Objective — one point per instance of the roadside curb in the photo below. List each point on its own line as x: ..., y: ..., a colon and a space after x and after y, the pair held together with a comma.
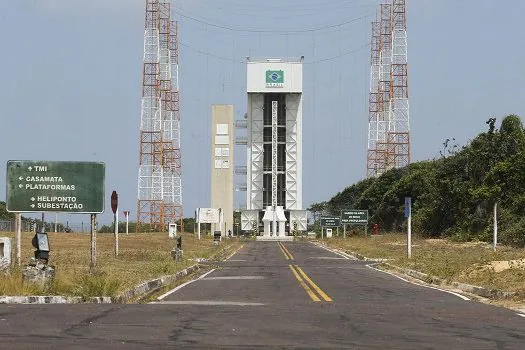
x: 353, y: 255
x: 34, y: 299
x: 152, y: 285
x: 423, y: 277
x: 464, y: 287
x: 137, y: 292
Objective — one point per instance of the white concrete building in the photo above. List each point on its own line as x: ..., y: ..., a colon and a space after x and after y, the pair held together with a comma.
x: 274, y: 148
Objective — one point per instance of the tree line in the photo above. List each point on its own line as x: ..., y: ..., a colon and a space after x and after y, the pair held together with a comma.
x: 453, y: 195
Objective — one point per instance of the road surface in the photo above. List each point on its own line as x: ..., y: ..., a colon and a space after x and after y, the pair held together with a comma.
x: 273, y: 295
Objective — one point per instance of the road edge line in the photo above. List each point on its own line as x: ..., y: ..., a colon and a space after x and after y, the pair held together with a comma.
x: 235, y: 252
x: 344, y: 255
x: 160, y: 298
x: 418, y: 284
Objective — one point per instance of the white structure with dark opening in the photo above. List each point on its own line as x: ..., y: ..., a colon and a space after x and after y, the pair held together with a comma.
x: 274, y: 148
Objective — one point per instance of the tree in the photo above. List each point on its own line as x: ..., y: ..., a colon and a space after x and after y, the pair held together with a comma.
x: 317, y: 209
x: 4, y: 214
x: 453, y: 195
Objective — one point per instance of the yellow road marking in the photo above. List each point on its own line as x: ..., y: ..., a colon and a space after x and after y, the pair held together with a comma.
x: 282, y: 250
x: 313, y: 285
x: 303, y: 284
x: 287, y: 251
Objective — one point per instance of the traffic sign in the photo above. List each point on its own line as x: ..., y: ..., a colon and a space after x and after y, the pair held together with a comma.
x: 330, y: 221
x: 114, y: 202
x: 408, y: 205
x: 354, y: 216
x: 49, y: 186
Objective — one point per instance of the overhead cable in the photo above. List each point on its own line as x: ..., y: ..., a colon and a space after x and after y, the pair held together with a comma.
x: 305, y: 30
x: 306, y: 62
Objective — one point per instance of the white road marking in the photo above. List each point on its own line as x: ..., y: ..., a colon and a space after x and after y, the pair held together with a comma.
x: 209, y: 303
x: 327, y: 258
x: 236, y: 260
x: 184, y: 285
x: 346, y: 256
x: 421, y: 285
x: 521, y: 315
x: 234, y: 278
x: 235, y: 252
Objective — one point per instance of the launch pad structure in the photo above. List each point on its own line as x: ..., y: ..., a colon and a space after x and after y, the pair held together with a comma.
x: 274, y: 149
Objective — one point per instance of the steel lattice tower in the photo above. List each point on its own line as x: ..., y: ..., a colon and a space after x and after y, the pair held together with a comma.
x: 389, y: 122
x: 159, y: 182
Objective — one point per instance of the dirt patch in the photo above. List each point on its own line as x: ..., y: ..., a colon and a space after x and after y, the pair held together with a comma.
x: 499, y: 266
x: 442, y: 242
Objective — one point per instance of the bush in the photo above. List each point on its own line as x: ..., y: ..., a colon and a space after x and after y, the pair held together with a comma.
x: 96, y: 284
x: 514, y: 235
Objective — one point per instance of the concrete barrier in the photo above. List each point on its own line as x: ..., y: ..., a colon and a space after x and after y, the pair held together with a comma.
x: 467, y: 288
x: 5, y: 252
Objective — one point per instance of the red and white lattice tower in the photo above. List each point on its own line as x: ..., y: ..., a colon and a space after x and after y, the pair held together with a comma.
x: 381, y: 53
x: 159, y: 183
x: 373, y: 109
x: 398, y: 138
x: 389, y: 122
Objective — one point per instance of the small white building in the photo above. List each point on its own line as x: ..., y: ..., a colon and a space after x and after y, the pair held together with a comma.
x: 274, y: 148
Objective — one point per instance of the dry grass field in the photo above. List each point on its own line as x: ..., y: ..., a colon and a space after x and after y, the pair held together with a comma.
x: 141, y: 257
x: 474, y: 262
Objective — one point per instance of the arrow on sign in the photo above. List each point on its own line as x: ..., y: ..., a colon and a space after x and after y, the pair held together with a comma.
x: 20, y: 185
x: 30, y: 168
x: 32, y: 199
x: 32, y: 205
x: 20, y: 178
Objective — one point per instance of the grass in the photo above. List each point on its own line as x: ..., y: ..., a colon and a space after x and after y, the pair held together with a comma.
x: 451, y: 261
x: 141, y: 257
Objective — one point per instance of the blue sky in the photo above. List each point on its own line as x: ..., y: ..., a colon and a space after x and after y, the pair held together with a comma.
x: 71, y: 80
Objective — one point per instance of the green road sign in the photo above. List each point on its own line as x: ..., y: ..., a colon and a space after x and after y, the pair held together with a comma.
x: 330, y: 221
x: 43, y: 186
x: 354, y: 216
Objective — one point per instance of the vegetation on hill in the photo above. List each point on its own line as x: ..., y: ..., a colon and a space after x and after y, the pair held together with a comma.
x: 452, y: 196
x: 4, y: 214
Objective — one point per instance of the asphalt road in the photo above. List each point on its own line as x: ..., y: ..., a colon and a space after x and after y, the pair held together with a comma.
x: 273, y: 296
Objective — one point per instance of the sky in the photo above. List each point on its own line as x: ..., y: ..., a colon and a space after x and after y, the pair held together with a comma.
x: 72, y: 73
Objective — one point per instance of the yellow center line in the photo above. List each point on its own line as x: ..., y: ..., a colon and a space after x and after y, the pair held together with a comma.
x: 313, y: 285
x: 287, y: 251
x: 282, y: 250
x: 303, y: 284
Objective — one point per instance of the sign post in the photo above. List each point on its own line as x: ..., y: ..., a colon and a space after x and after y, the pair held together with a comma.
x: 55, y: 186
x: 207, y: 216
x: 114, y: 208
x: 93, y: 240
x: 18, y: 223
x: 44, y: 186
x: 408, y: 214
x: 126, y: 214
x: 330, y: 221
x: 354, y: 217
x: 495, y: 243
